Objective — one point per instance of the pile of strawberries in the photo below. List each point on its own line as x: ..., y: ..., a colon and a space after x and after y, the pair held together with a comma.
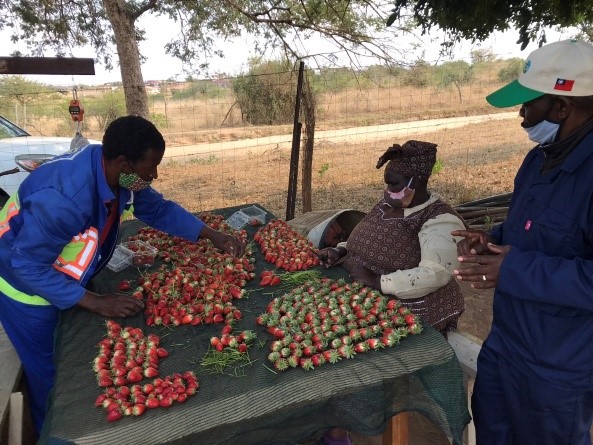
x: 239, y: 342
x: 284, y: 247
x: 161, y: 393
x: 326, y: 321
x: 127, y: 356
x: 269, y: 278
x: 198, y: 284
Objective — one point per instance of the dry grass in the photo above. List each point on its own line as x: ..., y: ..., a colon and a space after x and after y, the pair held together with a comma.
x: 478, y: 160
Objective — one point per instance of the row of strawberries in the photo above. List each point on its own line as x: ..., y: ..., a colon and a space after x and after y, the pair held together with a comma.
x: 127, y: 356
x: 326, y: 321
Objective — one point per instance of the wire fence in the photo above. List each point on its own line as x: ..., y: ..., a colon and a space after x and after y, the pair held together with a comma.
x: 229, y: 139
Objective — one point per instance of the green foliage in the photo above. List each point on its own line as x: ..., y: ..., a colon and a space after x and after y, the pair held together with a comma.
x: 418, y: 75
x: 323, y: 169
x: 106, y: 108
x: 199, y: 89
x: 437, y: 167
x: 266, y: 94
x: 482, y: 55
x: 457, y: 73
x: 477, y: 19
x: 159, y: 120
x: 512, y: 69
x: 212, y: 159
x: 19, y: 90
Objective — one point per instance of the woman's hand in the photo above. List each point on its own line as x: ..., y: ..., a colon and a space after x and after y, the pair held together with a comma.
x: 329, y: 256
x: 223, y: 241
x: 473, y: 242
x: 111, y: 305
x: 365, y: 276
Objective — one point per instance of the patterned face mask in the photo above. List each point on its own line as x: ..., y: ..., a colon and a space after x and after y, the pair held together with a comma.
x: 133, y: 182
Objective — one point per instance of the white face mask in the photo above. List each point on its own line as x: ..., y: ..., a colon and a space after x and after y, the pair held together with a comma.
x: 543, y: 133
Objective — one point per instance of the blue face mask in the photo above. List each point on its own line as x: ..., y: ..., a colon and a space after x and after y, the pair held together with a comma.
x: 543, y: 133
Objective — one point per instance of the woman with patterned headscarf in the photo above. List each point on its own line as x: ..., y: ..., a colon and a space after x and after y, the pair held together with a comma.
x: 403, y: 246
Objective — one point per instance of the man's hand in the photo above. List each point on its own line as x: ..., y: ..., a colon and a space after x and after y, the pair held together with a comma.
x: 365, y: 276
x: 473, y: 242
x: 484, y: 269
x: 225, y: 242
x: 112, y: 305
x: 329, y: 256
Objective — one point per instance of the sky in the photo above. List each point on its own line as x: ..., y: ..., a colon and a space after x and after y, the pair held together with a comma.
x: 160, y: 66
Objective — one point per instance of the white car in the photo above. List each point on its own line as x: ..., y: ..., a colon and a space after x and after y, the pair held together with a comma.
x: 21, y: 153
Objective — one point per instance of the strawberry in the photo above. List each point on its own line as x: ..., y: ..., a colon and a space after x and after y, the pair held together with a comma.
x: 113, y: 415
x: 165, y: 402
x: 331, y: 356
x: 281, y: 364
x: 123, y: 286
x: 100, y: 399
x: 317, y: 360
x: 105, y: 381
x: 152, y: 402
x: 162, y: 352
x: 361, y: 347
x: 134, y: 376
x: 150, y: 372
x: 138, y: 409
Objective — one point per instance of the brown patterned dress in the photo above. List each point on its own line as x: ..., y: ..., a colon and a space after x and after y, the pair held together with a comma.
x: 385, y: 245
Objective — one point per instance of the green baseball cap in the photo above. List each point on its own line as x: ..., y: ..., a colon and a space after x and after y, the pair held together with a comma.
x: 563, y: 68
x: 512, y: 94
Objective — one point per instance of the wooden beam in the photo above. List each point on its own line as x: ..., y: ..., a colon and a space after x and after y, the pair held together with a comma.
x: 398, y: 430
x: 15, y: 424
x: 47, y: 65
x: 10, y: 375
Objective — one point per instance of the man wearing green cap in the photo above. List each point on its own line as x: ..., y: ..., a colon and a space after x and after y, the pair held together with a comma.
x: 535, y: 370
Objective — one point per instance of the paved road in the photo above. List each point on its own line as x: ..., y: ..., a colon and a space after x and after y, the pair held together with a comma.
x: 357, y: 134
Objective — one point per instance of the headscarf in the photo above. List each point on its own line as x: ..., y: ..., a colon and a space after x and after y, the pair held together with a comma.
x: 414, y: 158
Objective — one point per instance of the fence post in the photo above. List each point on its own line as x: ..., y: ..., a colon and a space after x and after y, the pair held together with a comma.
x: 296, y: 145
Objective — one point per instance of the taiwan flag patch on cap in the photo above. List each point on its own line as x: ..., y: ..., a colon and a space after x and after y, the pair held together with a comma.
x: 564, y: 84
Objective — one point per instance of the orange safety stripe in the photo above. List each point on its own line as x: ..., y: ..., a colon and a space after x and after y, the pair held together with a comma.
x: 77, y: 266
x: 12, y: 211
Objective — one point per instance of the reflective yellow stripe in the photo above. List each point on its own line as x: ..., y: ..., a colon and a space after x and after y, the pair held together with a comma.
x: 21, y: 297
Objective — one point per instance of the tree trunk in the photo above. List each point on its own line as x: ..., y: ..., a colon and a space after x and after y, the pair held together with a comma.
x: 124, y: 31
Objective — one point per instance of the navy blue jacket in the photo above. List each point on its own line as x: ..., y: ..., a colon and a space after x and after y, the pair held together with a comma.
x: 543, y: 302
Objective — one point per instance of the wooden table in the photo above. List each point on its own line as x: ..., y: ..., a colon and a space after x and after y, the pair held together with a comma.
x: 262, y: 407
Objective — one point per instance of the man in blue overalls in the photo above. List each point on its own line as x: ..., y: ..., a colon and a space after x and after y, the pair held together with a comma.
x: 535, y: 370
x: 61, y: 228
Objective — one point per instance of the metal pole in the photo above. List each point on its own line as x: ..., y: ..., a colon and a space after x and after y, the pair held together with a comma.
x: 296, y: 144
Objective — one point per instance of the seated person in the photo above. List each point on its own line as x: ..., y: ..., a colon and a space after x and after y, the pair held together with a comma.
x: 326, y: 228
x: 403, y: 246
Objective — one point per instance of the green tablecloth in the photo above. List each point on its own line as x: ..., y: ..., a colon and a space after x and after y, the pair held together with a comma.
x: 262, y: 407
